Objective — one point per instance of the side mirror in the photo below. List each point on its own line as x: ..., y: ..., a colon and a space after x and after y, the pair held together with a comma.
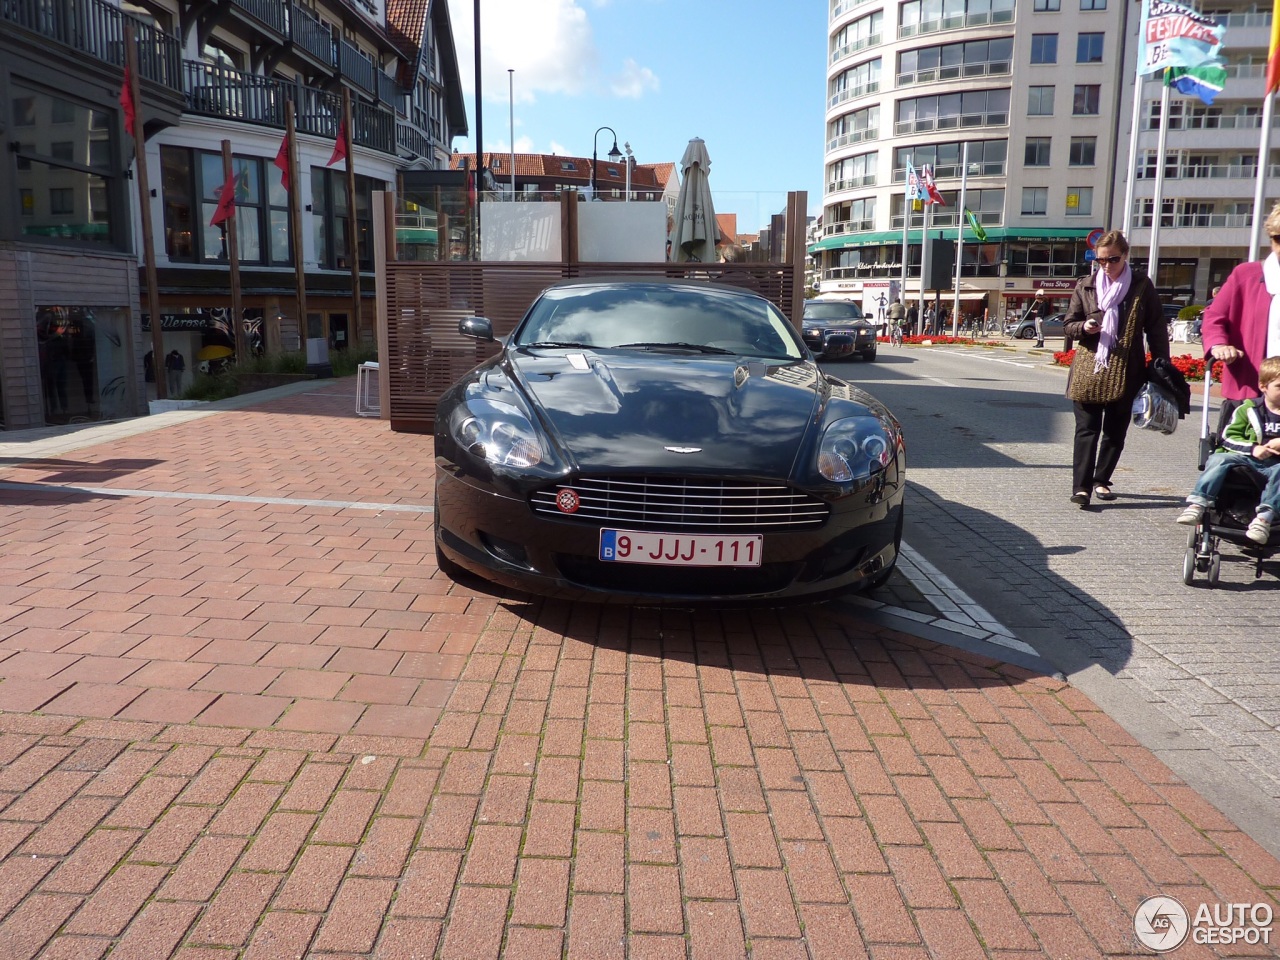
x: 478, y: 328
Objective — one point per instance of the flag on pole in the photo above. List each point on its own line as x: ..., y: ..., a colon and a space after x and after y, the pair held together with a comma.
x: 339, y: 148
x: 282, y: 161
x: 1204, y: 81
x: 932, y: 193
x: 914, y: 190
x: 974, y: 225
x: 130, y: 111
x: 1273, y: 51
x: 226, y: 201
x: 1174, y: 35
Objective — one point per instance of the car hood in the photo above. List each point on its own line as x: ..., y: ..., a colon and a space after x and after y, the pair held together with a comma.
x: 726, y: 415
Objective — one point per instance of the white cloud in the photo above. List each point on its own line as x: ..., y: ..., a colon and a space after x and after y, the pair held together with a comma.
x: 549, y: 44
x: 634, y: 80
x: 560, y: 150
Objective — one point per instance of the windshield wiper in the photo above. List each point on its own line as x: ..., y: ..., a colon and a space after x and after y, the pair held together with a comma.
x: 679, y: 345
x: 559, y: 344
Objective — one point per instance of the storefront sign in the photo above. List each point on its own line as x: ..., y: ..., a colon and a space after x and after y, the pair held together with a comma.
x: 178, y: 321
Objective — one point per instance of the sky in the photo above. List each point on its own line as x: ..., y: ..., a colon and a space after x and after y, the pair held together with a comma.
x: 747, y: 76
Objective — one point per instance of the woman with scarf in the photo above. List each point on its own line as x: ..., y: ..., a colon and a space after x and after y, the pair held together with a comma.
x: 1241, y: 327
x: 1114, y: 318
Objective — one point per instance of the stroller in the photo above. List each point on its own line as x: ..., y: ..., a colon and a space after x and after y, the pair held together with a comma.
x: 1227, y: 519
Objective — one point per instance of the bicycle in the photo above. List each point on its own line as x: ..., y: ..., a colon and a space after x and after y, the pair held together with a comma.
x: 895, y: 335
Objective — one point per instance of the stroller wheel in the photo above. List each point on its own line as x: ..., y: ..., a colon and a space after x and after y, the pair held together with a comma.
x: 1189, y: 565
x: 1215, y: 567
x: 1193, y: 536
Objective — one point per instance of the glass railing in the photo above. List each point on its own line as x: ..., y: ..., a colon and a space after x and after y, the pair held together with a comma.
x: 851, y: 183
x: 849, y: 49
x: 841, y: 227
x: 991, y: 68
x: 1224, y: 171
x: 954, y: 22
x: 851, y: 93
x: 925, y: 124
x: 853, y: 136
x: 844, y: 6
x: 1196, y: 220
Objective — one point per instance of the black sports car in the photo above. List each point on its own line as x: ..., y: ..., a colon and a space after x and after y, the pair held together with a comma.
x: 835, y: 329
x: 664, y: 442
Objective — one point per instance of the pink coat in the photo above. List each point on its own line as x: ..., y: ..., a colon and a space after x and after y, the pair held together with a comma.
x: 1238, y: 317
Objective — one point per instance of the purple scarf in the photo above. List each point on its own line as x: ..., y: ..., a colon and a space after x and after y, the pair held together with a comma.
x: 1110, y: 295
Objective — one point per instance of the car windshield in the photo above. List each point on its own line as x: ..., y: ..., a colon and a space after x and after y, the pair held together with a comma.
x: 655, y: 317
x: 832, y: 311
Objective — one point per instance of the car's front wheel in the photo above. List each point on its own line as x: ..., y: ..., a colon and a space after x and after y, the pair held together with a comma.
x: 868, y: 355
x: 1028, y: 334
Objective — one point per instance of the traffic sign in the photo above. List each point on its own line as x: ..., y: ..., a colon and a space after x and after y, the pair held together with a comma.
x: 1090, y: 256
x: 1094, y: 236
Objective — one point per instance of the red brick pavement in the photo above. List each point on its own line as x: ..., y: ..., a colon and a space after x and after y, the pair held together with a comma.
x: 217, y: 742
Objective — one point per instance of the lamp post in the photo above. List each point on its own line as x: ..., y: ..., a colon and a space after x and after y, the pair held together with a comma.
x: 614, y: 154
x: 511, y: 99
x: 631, y: 158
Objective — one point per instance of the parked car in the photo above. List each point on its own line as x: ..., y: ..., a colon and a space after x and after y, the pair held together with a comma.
x: 1025, y: 328
x: 835, y: 329
x: 663, y: 442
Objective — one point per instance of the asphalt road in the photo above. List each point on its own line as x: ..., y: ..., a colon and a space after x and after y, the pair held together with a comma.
x: 1193, y: 672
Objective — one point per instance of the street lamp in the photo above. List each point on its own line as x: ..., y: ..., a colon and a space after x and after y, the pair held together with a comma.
x: 631, y: 159
x: 614, y: 154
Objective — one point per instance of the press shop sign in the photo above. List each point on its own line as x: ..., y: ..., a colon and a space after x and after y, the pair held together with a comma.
x: 1163, y: 923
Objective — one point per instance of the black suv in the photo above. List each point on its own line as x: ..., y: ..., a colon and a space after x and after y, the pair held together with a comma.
x: 835, y: 329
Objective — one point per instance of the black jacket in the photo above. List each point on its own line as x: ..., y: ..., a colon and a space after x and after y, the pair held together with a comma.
x: 1165, y: 374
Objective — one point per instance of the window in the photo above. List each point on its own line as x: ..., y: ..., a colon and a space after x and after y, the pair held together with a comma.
x: 1044, y: 48
x: 1035, y: 201
x: 1089, y: 48
x: 1083, y: 151
x: 1079, y: 201
x: 331, y: 218
x: 62, y: 201
x: 191, y: 184
x: 1047, y: 6
x: 1040, y: 102
x: 69, y: 189
x: 1037, y: 152
x: 1093, y: 4
x: 1086, y: 99
x: 568, y: 165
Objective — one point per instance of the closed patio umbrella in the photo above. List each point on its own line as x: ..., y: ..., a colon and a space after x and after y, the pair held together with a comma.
x: 694, y: 233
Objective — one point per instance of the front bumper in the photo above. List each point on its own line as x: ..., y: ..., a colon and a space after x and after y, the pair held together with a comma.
x: 500, y: 538
x: 834, y: 343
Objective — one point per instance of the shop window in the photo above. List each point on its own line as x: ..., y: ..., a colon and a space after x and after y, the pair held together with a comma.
x: 83, y: 368
x: 331, y: 218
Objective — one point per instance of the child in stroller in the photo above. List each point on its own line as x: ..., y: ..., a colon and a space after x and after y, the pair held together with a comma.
x: 1240, y: 484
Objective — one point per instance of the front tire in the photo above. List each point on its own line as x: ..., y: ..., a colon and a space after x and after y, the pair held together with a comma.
x: 869, y: 356
x: 1028, y: 334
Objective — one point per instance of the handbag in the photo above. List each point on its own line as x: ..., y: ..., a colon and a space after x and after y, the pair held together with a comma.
x: 1155, y: 408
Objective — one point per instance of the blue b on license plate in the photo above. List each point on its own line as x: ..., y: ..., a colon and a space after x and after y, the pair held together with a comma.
x: 680, y: 549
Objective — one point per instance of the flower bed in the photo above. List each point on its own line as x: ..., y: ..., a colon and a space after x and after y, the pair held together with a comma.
x: 1192, y: 367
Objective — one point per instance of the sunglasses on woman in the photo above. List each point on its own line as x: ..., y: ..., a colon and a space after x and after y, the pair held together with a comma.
x: 1110, y: 259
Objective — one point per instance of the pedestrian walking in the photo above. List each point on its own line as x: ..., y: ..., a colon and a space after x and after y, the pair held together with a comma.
x: 174, y: 366
x: 1110, y: 314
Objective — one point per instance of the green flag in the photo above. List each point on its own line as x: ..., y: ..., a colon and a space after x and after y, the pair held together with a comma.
x: 975, y: 225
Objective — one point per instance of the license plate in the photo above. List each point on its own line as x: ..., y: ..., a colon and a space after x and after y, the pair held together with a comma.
x: 680, y: 549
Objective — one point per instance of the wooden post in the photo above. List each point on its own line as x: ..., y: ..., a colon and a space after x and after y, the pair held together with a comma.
x: 295, y: 226
x: 233, y: 260
x: 384, y: 244
x: 797, y: 210
x: 353, y: 236
x: 144, y: 206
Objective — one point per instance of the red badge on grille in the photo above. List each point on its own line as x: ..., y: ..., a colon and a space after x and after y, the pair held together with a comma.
x: 568, y: 501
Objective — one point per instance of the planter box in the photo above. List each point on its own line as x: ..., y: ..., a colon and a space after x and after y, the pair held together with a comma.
x: 251, y: 382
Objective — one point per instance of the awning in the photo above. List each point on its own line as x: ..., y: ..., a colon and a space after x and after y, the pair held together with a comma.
x: 848, y: 241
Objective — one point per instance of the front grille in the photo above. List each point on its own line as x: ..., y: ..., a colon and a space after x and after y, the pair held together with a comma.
x: 675, y: 504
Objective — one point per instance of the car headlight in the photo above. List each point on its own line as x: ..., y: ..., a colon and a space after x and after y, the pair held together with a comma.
x: 497, y: 433
x: 855, y: 449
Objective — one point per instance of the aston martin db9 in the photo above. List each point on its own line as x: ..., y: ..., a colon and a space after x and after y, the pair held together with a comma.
x: 664, y: 442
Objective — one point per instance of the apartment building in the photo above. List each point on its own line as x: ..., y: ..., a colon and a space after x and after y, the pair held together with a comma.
x: 1033, y: 88
x: 74, y: 333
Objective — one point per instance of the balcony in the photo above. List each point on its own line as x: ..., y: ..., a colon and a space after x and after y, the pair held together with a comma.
x: 849, y: 49
x: 230, y: 94
x: 411, y: 140
x: 954, y: 22
x: 268, y: 13
x: 356, y: 68
x: 852, y: 93
x: 96, y: 29
x: 925, y: 124
x: 311, y: 36
x: 993, y: 68
x: 853, y: 137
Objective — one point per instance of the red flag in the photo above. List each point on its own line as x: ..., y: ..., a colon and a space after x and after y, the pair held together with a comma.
x: 282, y: 161
x: 933, y: 194
x: 226, y: 201
x: 126, y: 104
x: 339, y: 148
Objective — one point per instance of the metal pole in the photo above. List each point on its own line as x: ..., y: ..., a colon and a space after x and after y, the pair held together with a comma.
x: 144, y: 204
x: 964, y: 178
x: 630, y: 160
x: 295, y: 227
x: 353, y: 236
x: 233, y: 261
x: 479, y: 129
x: 924, y: 256
x: 511, y: 99
x: 1260, y: 185
x: 1153, y: 254
x: 1126, y: 217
